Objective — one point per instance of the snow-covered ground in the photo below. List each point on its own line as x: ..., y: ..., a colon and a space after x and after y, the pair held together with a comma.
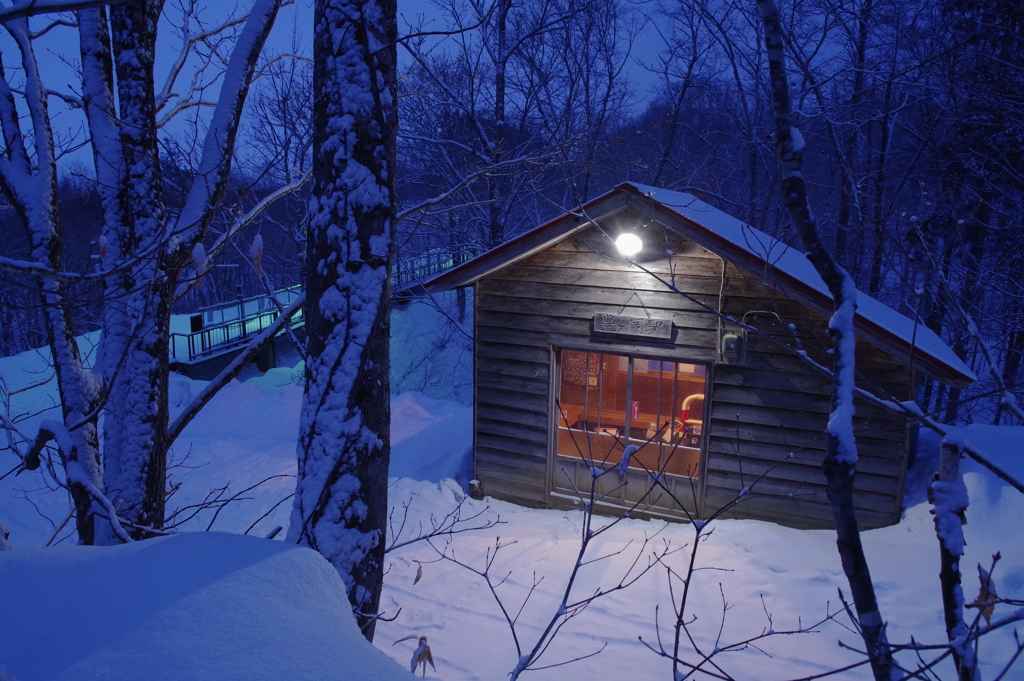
x: 247, y: 434
x: 196, y: 606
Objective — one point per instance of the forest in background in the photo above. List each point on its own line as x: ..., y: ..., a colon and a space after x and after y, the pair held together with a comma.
x: 510, y: 113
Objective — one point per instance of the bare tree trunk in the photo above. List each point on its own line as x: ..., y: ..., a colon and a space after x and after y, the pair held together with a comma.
x: 1014, y: 352
x: 949, y: 500
x: 841, y: 452
x: 495, y: 195
x: 29, y: 180
x: 137, y: 321
x: 340, y: 506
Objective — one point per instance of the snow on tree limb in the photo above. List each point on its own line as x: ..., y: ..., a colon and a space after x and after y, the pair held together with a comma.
x: 219, y: 144
x: 28, y: 8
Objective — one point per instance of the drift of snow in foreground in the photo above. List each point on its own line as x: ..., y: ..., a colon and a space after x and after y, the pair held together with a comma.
x: 247, y: 433
x: 192, y: 606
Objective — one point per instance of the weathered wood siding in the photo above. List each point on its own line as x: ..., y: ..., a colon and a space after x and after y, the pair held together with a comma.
x: 769, y: 413
x: 760, y: 410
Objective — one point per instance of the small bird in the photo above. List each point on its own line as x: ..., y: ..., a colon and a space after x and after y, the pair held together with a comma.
x: 420, y: 656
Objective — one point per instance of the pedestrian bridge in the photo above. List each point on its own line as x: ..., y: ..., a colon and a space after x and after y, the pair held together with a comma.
x: 203, y: 343
x: 223, y: 329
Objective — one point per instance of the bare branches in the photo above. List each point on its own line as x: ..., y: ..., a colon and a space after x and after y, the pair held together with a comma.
x: 189, y: 41
x: 448, y: 525
x: 21, y: 9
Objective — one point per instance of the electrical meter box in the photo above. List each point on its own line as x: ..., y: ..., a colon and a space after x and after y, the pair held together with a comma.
x: 732, y: 346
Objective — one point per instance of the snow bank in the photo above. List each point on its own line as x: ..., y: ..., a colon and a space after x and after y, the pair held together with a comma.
x: 242, y: 442
x: 192, y: 606
x: 746, y: 566
x: 430, y: 439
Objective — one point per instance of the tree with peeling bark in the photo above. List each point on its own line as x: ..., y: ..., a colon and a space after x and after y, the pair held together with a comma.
x: 147, y: 252
x: 840, y: 464
x: 340, y: 506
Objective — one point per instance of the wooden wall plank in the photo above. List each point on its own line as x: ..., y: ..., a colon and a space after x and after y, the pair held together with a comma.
x: 496, y: 485
x: 513, y: 352
x: 502, y: 427
x: 797, y: 512
x: 519, y: 384
x: 512, y: 416
x: 756, y: 450
x: 746, y: 469
x: 523, y: 446
x: 594, y: 293
x: 524, y: 465
x: 498, y: 307
x: 524, y: 370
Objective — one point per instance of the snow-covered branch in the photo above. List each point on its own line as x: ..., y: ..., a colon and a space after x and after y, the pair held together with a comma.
x: 218, y: 147
x: 243, y: 221
x: 21, y: 9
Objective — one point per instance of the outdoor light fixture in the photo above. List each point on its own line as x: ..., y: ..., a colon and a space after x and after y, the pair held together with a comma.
x: 629, y: 244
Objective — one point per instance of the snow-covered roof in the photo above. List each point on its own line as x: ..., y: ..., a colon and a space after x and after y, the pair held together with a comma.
x: 739, y: 243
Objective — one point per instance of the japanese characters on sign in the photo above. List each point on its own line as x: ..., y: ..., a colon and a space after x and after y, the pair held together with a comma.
x: 631, y: 327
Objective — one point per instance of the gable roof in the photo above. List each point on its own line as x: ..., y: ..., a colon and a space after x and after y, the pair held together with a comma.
x: 746, y: 247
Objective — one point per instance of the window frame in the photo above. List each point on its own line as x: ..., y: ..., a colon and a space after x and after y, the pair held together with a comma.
x: 559, y: 487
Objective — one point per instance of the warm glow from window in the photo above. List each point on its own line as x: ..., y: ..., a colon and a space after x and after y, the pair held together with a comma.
x: 629, y: 244
x: 609, y: 402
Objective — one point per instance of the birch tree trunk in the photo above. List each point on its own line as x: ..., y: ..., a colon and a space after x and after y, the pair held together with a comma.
x: 340, y: 506
x: 150, y: 248
x: 144, y: 251
x: 948, y: 496
x: 840, y: 465
x: 29, y: 180
x: 137, y: 321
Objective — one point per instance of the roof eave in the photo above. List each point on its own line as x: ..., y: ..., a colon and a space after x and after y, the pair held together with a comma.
x: 528, y: 243
x: 799, y: 290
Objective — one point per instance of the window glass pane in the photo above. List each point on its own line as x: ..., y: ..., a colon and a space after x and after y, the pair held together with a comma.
x: 659, y: 408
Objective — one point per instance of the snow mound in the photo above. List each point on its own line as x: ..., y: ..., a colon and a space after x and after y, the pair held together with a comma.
x: 430, y: 439
x: 1002, y: 445
x: 190, y: 606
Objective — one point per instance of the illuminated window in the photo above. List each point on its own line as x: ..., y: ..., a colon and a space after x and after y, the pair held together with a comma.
x: 609, y: 402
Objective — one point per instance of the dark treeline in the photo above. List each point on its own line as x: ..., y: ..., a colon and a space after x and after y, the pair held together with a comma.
x: 912, y: 115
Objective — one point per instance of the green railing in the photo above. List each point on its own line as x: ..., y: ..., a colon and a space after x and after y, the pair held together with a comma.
x: 220, y: 328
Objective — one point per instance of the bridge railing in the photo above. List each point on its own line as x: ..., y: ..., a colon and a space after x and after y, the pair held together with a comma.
x: 232, y: 325
x: 220, y: 328
x: 414, y: 270
x: 247, y: 307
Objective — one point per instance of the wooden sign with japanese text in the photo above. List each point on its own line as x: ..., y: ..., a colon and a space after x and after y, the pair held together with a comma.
x: 619, y: 326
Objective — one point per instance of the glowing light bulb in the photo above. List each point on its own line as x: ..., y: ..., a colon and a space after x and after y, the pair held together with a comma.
x: 629, y: 244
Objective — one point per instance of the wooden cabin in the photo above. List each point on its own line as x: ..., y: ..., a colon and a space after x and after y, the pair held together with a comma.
x: 696, y: 353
